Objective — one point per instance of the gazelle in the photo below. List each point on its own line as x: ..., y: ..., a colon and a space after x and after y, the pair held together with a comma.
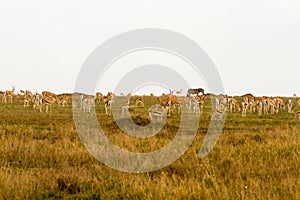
x: 259, y: 107
x: 289, y: 103
x: 272, y: 105
x: 22, y: 92
x: 86, y: 103
x: 64, y: 101
x: 220, y: 102
x: 107, y: 104
x: 180, y: 91
x: 125, y: 109
x: 250, y: 101
x: 244, y: 109
x: 298, y: 103
x: 48, y: 94
x: 279, y: 103
x: 269, y: 103
x: 157, y: 113
x: 98, y: 96
x: 233, y: 104
x: 297, y: 113
x: 47, y: 103
x: 10, y: 94
x: 110, y: 95
x: 26, y: 93
x: 170, y: 102
x: 139, y: 102
x: 265, y: 106
x: 26, y: 100
x: 200, y: 103
x: 37, y: 100
x: 192, y: 103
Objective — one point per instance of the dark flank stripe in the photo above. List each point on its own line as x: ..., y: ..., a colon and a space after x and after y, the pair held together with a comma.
x: 297, y: 112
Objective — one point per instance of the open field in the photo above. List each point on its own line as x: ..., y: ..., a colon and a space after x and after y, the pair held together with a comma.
x: 41, y: 156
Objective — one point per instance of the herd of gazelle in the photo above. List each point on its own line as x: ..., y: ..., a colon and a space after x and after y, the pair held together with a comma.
x: 194, y: 101
x: 38, y: 100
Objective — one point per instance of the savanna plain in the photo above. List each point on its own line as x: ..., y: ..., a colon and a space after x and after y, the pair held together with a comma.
x: 42, y: 157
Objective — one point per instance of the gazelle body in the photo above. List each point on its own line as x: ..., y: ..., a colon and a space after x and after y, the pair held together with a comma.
x: 86, y: 103
x: 10, y: 94
x: 47, y: 103
x: 26, y: 100
x: 279, y: 103
x: 297, y: 113
x: 37, y: 100
x: 157, y: 114
x: 259, y: 107
x: 199, y: 104
x: 125, y: 109
x: 107, y: 104
x: 49, y: 94
x: 170, y: 102
x: 98, y: 96
x: 269, y: 104
x: 233, y: 104
x: 64, y: 101
x: 250, y: 101
x: 139, y: 102
x: 289, y: 105
x: 298, y: 103
x: 244, y: 109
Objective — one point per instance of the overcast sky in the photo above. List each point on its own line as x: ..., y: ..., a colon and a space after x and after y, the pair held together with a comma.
x: 255, y: 44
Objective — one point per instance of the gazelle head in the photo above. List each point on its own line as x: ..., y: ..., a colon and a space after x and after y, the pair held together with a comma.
x: 13, y: 88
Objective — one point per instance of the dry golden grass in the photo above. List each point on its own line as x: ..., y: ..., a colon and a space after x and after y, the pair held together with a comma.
x: 42, y: 157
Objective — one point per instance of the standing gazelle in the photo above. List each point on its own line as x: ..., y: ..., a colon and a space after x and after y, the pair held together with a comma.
x: 26, y: 100
x: 10, y: 94
x: 47, y: 103
x: 233, y: 104
x: 107, y: 104
x: 289, y: 103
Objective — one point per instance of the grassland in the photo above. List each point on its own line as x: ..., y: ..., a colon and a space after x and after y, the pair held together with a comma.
x: 42, y: 157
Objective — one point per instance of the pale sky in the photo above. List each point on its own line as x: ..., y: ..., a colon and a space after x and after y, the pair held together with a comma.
x: 255, y: 45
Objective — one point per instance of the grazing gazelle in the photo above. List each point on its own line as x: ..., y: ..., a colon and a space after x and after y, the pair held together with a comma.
x: 157, y: 113
x: 297, y: 113
x: 64, y: 101
x: 170, y: 102
x: 249, y: 100
x: 269, y: 103
x: 279, y: 103
x: 298, y: 103
x: 125, y: 109
x: 233, y: 104
x: 259, y: 107
x: 47, y: 103
x: 26, y: 93
x: 139, y: 102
